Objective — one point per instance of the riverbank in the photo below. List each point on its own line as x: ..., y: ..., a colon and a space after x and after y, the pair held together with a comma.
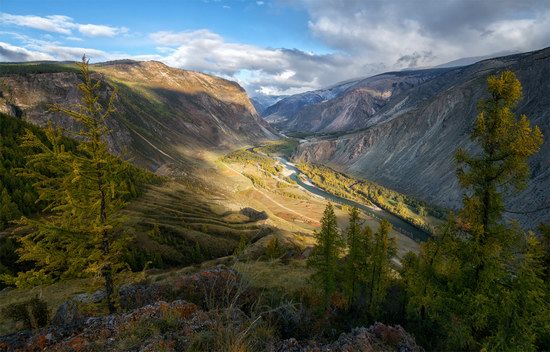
x: 399, y: 224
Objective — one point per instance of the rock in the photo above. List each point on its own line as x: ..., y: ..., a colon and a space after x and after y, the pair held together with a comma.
x: 88, y: 298
x: 378, y: 337
x: 67, y: 315
x: 176, y: 325
x: 215, y: 288
x: 13, y: 342
x: 135, y: 296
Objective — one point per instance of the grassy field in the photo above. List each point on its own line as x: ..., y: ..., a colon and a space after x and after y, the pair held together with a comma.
x: 273, y: 274
x: 54, y: 294
x: 283, y: 147
x: 180, y: 223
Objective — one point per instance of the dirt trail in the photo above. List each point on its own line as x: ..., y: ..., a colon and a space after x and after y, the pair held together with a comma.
x: 273, y: 200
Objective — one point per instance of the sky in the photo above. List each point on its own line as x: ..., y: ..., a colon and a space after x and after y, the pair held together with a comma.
x: 273, y: 46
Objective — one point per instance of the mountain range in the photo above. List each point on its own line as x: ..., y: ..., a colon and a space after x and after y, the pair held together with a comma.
x: 401, y: 129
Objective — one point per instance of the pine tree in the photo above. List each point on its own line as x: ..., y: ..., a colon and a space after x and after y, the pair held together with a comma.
x: 82, y: 190
x: 325, y: 255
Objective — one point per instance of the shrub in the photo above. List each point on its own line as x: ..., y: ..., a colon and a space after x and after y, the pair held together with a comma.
x: 274, y: 248
x: 32, y: 313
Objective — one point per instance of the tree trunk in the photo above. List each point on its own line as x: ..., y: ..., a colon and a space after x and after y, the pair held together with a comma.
x: 107, y: 271
x: 108, y: 276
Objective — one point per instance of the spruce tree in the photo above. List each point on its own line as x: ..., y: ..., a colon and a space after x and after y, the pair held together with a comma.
x: 325, y: 255
x: 83, y: 190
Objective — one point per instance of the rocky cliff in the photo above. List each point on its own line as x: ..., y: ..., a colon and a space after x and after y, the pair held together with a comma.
x: 163, y: 115
x: 347, y: 106
x: 409, y: 143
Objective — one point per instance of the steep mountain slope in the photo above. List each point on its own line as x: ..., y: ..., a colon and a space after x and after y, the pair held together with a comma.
x: 284, y: 111
x: 411, y: 144
x: 346, y: 106
x: 262, y: 102
x: 164, y: 115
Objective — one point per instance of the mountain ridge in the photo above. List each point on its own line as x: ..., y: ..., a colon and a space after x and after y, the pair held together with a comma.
x: 164, y: 115
x: 411, y: 146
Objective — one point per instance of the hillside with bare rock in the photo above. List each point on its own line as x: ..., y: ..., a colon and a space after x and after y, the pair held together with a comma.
x: 163, y: 115
x: 411, y: 141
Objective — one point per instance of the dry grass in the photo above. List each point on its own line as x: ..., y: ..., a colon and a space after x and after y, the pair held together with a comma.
x: 273, y: 275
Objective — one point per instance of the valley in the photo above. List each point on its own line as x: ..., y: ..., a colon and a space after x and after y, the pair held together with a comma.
x: 407, y: 140
x: 330, y: 214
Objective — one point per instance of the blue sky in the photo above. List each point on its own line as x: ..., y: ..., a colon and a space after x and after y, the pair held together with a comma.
x: 273, y: 46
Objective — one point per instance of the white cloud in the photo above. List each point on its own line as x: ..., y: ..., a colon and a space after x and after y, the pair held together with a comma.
x: 94, y: 30
x: 68, y: 53
x: 60, y: 24
x: 10, y: 52
x: 55, y: 24
x: 74, y: 39
x: 402, y: 33
x: 256, y: 68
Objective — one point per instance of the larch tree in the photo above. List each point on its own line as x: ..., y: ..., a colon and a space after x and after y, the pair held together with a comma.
x: 506, y: 144
x: 378, y: 271
x: 480, y: 263
x: 8, y: 209
x: 77, y: 236
x: 354, y: 258
x: 326, y: 253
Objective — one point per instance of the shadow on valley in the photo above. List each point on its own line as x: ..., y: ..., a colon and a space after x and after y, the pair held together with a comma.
x: 173, y: 226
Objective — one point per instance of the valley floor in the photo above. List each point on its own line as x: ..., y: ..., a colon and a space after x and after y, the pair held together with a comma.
x: 190, y: 220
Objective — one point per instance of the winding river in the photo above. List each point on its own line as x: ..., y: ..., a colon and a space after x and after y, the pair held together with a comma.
x: 399, y: 224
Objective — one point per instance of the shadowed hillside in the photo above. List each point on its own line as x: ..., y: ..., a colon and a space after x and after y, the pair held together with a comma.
x: 163, y: 115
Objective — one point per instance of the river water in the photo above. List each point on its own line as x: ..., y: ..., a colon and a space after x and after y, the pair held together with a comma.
x: 398, y: 224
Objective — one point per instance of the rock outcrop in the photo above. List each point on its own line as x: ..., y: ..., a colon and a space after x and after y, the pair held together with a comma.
x: 211, y: 310
x: 378, y: 337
